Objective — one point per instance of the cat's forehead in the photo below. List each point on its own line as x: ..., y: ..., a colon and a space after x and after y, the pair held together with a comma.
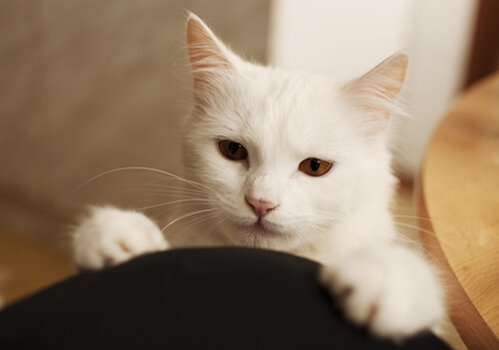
x: 287, y: 89
x: 288, y: 110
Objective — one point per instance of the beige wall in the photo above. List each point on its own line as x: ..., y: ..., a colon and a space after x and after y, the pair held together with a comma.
x: 91, y: 85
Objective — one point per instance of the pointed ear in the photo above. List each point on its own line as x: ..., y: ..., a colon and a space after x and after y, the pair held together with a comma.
x: 376, y: 92
x: 209, y: 57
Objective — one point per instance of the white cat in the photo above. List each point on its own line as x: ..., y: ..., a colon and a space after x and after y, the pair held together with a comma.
x: 294, y: 162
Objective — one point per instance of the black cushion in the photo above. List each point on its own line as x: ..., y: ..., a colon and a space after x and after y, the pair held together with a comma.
x: 223, y: 298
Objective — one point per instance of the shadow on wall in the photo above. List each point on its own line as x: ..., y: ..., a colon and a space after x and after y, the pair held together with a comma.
x: 89, y: 86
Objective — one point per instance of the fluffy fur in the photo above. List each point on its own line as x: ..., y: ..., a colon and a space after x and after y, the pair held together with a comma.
x: 340, y: 219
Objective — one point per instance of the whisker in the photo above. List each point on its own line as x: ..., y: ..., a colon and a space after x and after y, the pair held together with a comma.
x: 196, y: 220
x: 140, y: 168
x: 192, y: 200
x: 186, y: 216
x: 171, y: 187
x: 148, y: 194
x: 163, y: 189
x: 428, y: 232
x: 218, y: 223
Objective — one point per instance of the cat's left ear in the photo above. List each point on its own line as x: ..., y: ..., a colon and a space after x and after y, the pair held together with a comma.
x: 377, y: 91
x: 209, y: 58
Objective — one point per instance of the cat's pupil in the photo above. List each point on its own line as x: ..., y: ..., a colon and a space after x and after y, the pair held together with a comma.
x: 233, y: 147
x: 315, y: 164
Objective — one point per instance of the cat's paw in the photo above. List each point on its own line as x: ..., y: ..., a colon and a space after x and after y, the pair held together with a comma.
x: 389, y: 289
x: 109, y: 236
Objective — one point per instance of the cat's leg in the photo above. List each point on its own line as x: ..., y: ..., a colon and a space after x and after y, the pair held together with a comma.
x: 109, y: 236
x: 388, y: 288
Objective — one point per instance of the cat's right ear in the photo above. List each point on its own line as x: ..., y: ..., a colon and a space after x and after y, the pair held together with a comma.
x: 377, y: 91
x: 209, y: 58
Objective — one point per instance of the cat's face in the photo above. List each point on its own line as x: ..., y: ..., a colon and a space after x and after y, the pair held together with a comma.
x: 287, y: 156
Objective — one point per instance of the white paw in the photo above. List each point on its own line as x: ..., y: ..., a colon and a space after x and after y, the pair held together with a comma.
x: 109, y: 236
x: 389, y: 289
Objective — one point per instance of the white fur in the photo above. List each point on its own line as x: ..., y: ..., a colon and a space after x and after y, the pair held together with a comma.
x: 390, y: 289
x: 340, y: 219
x: 111, y: 236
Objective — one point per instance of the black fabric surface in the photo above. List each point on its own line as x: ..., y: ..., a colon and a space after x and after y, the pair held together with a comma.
x: 227, y: 298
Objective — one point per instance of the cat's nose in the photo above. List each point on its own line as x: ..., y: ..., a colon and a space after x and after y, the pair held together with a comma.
x: 260, y: 207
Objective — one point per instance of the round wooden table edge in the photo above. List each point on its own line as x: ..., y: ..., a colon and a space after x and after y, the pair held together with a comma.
x: 471, y: 326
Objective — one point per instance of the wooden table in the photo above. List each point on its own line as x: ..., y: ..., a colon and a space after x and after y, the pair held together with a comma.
x: 460, y: 211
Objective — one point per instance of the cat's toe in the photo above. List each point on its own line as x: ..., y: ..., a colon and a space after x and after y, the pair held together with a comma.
x: 356, y: 289
x: 392, y: 292
x: 111, y: 236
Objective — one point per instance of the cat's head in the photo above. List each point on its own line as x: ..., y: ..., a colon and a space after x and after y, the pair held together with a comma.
x: 288, y: 156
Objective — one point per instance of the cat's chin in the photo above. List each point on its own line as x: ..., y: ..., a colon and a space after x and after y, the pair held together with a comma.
x: 264, y: 228
x: 260, y: 235
x: 261, y: 229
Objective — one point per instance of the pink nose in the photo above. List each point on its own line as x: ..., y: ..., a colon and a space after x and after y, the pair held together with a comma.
x: 260, y: 207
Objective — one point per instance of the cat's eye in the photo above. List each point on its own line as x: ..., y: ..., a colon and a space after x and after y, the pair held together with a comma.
x: 232, y: 150
x: 315, y: 166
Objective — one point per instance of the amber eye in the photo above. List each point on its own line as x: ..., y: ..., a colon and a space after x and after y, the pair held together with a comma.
x: 315, y: 166
x: 232, y: 150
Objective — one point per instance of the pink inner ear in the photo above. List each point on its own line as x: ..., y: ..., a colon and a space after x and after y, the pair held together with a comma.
x: 392, y: 74
x: 204, y: 50
x: 208, y: 56
x: 377, y: 90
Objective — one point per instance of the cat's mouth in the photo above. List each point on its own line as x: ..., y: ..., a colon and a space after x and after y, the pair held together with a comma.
x: 259, y: 229
x: 268, y: 235
x: 262, y: 229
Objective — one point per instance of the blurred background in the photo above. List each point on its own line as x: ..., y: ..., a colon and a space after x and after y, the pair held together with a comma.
x: 87, y: 86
